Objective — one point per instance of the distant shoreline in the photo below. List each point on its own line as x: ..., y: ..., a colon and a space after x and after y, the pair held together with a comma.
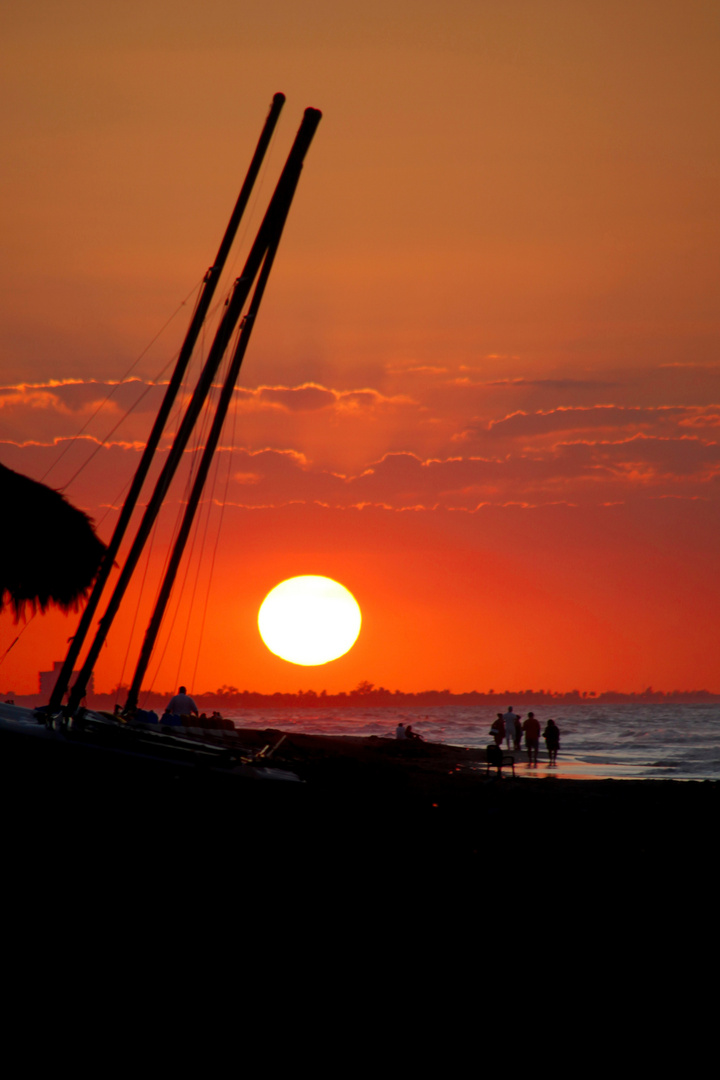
x: 368, y: 696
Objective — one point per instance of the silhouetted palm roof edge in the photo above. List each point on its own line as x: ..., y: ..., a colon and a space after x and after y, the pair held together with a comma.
x: 49, y: 552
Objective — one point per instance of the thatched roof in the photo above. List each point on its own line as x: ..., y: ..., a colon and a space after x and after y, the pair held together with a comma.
x: 49, y: 553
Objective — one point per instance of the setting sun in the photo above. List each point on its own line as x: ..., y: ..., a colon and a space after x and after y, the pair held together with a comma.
x: 309, y: 620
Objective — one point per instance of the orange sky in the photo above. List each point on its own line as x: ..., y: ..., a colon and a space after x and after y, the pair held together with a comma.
x: 484, y: 388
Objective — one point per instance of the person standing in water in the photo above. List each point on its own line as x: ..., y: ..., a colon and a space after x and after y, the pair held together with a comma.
x: 531, y: 727
x: 510, y: 719
x: 498, y: 730
x: 551, y: 735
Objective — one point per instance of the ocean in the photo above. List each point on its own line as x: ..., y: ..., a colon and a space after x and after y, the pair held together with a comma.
x: 649, y: 742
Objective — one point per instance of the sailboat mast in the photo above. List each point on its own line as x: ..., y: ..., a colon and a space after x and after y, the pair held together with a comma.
x: 202, y: 473
x: 209, y: 286
x: 263, y: 242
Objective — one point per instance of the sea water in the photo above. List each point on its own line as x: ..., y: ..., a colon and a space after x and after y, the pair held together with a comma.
x: 658, y: 742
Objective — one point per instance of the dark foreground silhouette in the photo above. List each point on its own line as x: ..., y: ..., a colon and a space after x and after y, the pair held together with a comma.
x: 373, y: 812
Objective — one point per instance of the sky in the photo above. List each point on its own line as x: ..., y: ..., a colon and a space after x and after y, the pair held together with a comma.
x: 483, y: 391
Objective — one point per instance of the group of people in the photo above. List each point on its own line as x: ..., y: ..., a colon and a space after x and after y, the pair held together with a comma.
x: 508, y: 726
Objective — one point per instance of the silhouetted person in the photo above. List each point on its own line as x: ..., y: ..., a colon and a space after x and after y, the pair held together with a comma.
x: 498, y: 730
x: 551, y: 735
x: 510, y: 720
x: 400, y: 732
x: 410, y: 734
x: 531, y: 727
x: 182, y: 704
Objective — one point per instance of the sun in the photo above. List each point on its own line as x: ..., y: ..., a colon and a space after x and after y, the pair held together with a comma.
x: 309, y: 620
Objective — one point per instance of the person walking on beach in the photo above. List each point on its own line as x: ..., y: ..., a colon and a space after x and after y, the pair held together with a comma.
x: 551, y: 735
x: 510, y: 719
x: 531, y: 727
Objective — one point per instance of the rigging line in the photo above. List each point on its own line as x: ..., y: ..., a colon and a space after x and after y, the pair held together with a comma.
x: 173, y: 419
x: 150, y: 386
x: 202, y: 425
x: 170, y: 626
x: 150, y: 546
x: 181, y: 592
x: 114, y: 504
x: 179, y: 514
x: 219, y: 305
x: 208, y: 513
x: 210, y: 576
x: 259, y: 258
x: 100, y: 445
x: 14, y: 643
x: 208, y: 508
x: 217, y: 540
x: 193, y: 459
x: 122, y: 382
x: 178, y: 594
x: 141, y: 588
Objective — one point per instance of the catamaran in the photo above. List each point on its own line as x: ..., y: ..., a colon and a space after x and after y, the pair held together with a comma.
x: 132, y: 730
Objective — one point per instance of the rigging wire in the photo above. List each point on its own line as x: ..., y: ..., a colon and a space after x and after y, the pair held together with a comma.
x: 207, y: 514
x: 217, y: 540
x: 150, y: 386
x: 121, y: 421
x: 123, y: 381
x: 199, y: 436
x: 179, y: 593
x: 183, y: 583
x: 173, y: 420
x: 212, y: 315
x: 14, y: 643
x: 114, y: 504
x: 150, y: 545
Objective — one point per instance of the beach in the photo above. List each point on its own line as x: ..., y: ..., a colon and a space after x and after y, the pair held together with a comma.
x: 368, y: 810
x: 439, y: 803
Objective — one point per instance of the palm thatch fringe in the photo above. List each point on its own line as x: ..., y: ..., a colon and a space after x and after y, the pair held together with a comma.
x: 49, y: 553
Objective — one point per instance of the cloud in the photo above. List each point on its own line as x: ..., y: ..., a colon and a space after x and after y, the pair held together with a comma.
x: 584, y: 418
x: 458, y: 446
x: 534, y: 384
x: 575, y: 471
x: 77, y: 396
x: 307, y: 398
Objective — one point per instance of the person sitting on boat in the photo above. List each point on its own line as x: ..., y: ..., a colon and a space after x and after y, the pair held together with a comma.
x: 182, y: 704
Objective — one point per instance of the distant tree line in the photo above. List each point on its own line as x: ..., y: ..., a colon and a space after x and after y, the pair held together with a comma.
x: 367, y: 694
